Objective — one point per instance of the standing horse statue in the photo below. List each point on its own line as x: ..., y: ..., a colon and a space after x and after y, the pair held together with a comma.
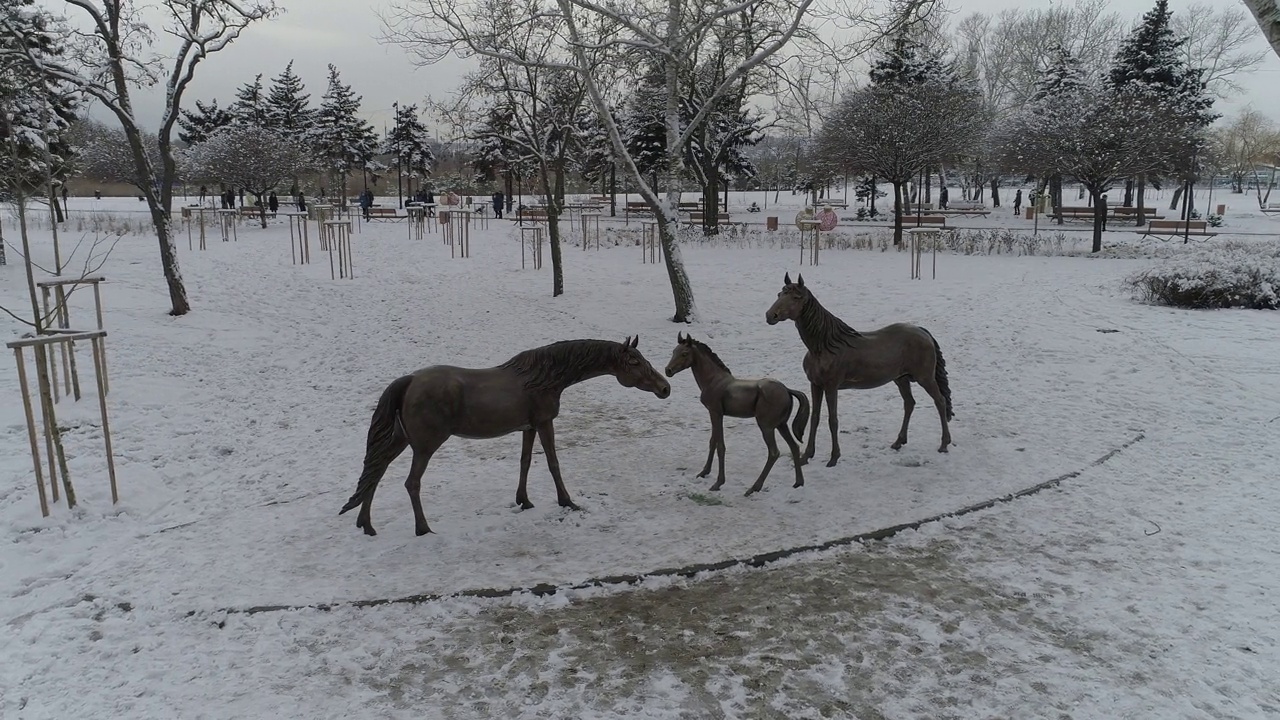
x: 841, y: 358
x: 767, y: 400
x: 425, y: 409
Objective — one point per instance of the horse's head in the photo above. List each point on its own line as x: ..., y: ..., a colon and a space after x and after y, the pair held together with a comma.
x: 682, y: 356
x: 634, y: 371
x: 790, y: 301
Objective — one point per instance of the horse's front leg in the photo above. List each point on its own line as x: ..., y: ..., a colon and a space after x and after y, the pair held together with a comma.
x: 711, y: 450
x: 717, y: 446
x: 547, y: 434
x: 526, y: 459
x: 834, y: 423
x: 816, y: 390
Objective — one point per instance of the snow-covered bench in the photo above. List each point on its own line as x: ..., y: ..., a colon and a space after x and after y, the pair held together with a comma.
x: 1174, y: 228
x: 1271, y: 208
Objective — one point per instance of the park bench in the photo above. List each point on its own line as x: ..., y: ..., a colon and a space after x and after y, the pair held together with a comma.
x: 1271, y: 208
x: 532, y: 214
x: 966, y: 205
x: 698, y: 216
x: 637, y: 208
x: 250, y: 211
x: 1147, y: 212
x: 384, y: 213
x: 923, y: 220
x: 1173, y: 228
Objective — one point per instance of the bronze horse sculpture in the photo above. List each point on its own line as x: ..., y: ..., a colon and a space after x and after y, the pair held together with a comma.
x: 426, y: 408
x: 841, y: 358
x: 766, y: 400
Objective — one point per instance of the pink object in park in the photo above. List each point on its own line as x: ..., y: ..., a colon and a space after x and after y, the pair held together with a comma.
x: 827, y: 220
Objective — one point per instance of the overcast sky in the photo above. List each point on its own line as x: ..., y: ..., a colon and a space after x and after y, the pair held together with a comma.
x: 314, y: 33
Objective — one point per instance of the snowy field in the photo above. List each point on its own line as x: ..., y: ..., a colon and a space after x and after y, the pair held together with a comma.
x: 1146, y: 587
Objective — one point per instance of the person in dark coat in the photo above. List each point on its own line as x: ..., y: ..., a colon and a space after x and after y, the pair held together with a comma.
x: 273, y: 202
x: 203, y: 191
x: 1017, y: 202
x: 497, y: 198
x: 366, y: 202
x: 430, y: 201
x: 302, y: 202
x: 942, y: 197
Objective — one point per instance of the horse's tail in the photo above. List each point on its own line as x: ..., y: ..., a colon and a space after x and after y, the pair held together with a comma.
x: 940, y: 374
x: 802, y: 417
x: 386, y: 441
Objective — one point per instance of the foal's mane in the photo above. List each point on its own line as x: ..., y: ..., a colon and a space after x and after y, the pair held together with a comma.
x: 710, y: 354
x: 561, y: 364
x: 820, y: 329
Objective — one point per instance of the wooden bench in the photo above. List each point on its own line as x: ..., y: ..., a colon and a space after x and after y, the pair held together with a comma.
x: 538, y: 214
x: 637, y: 208
x: 1271, y: 208
x: 384, y: 213
x: 1147, y: 212
x: 698, y: 216
x: 1198, y: 228
x: 965, y: 205
x: 923, y: 220
x: 250, y: 211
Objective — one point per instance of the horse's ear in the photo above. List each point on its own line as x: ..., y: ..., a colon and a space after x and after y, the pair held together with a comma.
x: 627, y: 342
x: 786, y: 279
x: 680, y: 337
x: 800, y: 280
x: 635, y: 341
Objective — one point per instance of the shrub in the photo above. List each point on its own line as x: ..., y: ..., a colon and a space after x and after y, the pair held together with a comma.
x: 1233, y: 274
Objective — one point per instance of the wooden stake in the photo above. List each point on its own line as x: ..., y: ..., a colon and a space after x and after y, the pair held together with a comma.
x: 31, y: 431
x: 101, y: 369
x: 97, y: 302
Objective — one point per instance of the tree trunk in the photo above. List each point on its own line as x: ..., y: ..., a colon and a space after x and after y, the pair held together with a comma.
x: 1055, y: 195
x: 928, y: 186
x: 681, y: 288
x: 897, y: 213
x: 1128, y: 193
x: 1099, y: 218
x: 995, y: 192
x: 554, y: 203
x: 1142, y: 200
x: 1177, y: 197
x: 613, y: 190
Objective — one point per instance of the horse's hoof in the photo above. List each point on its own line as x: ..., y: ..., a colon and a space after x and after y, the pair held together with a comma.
x: 832, y: 462
x: 704, y: 473
x: 799, y: 483
x: 942, y: 449
x: 716, y: 487
x: 525, y: 505
x: 898, y: 445
x: 569, y: 504
x: 422, y: 531
x: 368, y: 530
x: 749, y: 492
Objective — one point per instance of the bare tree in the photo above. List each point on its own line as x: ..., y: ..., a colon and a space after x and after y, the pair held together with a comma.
x: 110, y: 50
x: 897, y: 134
x: 1219, y: 41
x: 1267, y: 13
x: 249, y: 157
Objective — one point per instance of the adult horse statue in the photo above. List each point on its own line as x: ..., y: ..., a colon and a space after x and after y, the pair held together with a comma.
x: 841, y: 358
x: 425, y: 409
x: 766, y: 400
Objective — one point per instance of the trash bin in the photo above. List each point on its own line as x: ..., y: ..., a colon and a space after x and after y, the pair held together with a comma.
x: 771, y: 222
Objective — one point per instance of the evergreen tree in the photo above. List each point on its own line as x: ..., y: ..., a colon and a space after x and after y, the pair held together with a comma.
x: 35, y: 114
x: 1063, y: 77
x: 642, y: 126
x: 196, y: 127
x: 250, y: 107
x: 907, y: 63
x: 288, y: 109
x: 409, y: 142
x: 345, y: 141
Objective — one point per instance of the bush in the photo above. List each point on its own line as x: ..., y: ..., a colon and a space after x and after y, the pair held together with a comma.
x: 1233, y: 274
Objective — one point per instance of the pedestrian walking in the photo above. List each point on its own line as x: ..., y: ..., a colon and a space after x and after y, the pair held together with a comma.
x: 498, y: 198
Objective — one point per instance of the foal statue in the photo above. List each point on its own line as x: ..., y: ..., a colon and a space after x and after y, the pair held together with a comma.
x: 767, y: 400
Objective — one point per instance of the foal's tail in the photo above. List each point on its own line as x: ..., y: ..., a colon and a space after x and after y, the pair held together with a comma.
x: 802, y: 417
x: 940, y: 374
x: 386, y: 441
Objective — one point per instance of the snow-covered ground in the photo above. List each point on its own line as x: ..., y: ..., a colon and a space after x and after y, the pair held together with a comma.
x: 239, y: 432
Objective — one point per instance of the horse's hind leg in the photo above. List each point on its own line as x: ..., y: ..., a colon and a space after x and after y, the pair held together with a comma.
x: 421, y: 456
x: 908, y: 404
x: 795, y: 452
x: 772, y: 444
x: 931, y: 386
x: 834, y: 422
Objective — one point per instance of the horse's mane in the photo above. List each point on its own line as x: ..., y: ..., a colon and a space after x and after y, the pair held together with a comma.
x: 820, y: 330
x: 561, y: 364
x: 710, y: 354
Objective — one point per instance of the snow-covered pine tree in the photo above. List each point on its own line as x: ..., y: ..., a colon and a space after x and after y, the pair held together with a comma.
x: 196, y: 127
x: 1150, y: 64
x: 642, y: 125
x: 250, y: 107
x: 409, y: 141
x: 342, y: 138
x: 288, y: 109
